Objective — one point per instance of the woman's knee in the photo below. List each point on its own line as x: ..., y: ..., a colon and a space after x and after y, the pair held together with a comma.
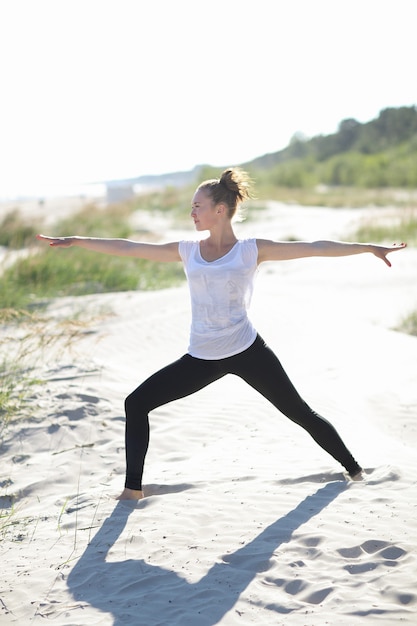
x: 141, y: 401
x: 134, y: 403
x: 299, y: 412
x: 129, y: 404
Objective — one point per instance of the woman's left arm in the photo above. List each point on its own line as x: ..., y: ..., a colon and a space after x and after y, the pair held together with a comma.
x: 285, y: 250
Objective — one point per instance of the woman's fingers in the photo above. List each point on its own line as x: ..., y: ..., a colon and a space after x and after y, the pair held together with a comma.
x: 63, y: 242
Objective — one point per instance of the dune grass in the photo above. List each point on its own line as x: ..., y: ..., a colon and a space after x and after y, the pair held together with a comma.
x: 15, y: 231
x: 94, y: 221
x: 28, y: 284
x: 52, y: 273
x: 46, y: 273
x: 25, y: 337
x: 409, y: 324
x: 400, y: 227
x: 335, y: 196
x: 25, y: 340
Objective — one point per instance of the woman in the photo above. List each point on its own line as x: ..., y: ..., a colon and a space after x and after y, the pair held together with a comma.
x: 220, y: 271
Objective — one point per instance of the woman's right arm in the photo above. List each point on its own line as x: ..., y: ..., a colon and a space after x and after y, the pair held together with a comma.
x: 164, y: 252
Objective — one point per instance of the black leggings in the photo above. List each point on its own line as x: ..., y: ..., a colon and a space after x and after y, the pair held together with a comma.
x: 258, y: 366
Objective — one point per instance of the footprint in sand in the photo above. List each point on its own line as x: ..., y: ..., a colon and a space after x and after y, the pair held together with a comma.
x: 383, y: 474
x: 303, y: 589
x: 80, y: 397
x: 383, y: 554
x: 366, y: 557
x: 78, y: 406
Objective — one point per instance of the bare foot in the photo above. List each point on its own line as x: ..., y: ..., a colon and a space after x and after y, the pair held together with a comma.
x: 131, y: 494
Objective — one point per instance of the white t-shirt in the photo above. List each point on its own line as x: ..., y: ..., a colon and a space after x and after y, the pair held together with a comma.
x: 221, y: 292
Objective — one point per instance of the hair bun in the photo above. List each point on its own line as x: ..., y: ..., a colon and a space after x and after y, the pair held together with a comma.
x: 237, y: 181
x: 232, y: 188
x: 228, y: 181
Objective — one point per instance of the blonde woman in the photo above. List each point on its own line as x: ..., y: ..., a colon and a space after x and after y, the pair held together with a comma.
x: 221, y: 270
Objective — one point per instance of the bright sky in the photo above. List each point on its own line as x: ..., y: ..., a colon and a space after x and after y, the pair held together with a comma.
x: 99, y: 89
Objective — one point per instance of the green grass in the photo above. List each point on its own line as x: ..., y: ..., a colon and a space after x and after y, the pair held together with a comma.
x: 409, y: 324
x: 29, y: 283
x: 23, y: 341
x: 16, y: 384
x: 174, y: 202
x: 15, y: 231
x: 48, y: 273
x: 401, y: 227
x: 93, y: 221
x: 336, y: 196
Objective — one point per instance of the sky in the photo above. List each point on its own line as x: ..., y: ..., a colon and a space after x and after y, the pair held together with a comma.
x: 93, y: 90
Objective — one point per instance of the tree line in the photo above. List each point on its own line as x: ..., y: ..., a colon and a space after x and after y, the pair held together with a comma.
x: 379, y: 153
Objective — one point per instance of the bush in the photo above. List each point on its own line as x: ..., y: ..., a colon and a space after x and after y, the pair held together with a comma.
x: 15, y: 232
x: 51, y: 273
x: 93, y: 221
x: 404, y: 228
x: 409, y: 324
x: 47, y: 273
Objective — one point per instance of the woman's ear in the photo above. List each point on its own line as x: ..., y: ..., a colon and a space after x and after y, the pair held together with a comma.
x: 221, y: 208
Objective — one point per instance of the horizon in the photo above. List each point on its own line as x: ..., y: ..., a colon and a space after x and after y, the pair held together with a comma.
x: 99, y: 188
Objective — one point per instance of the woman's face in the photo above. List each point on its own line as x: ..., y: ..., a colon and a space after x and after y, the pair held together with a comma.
x: 203, y: 211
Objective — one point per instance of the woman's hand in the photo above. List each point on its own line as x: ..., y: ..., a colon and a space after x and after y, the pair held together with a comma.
x: 57, y: 242
x: 382, y: 251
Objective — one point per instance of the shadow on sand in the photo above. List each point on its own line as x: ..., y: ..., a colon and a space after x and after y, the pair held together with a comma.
x: 135, y: 592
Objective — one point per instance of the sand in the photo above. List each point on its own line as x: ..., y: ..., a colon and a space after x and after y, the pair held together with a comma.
x: 246, y: 520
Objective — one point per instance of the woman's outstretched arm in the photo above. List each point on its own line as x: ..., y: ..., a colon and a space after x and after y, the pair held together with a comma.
x: 283, y: 250
x: 164, y: 252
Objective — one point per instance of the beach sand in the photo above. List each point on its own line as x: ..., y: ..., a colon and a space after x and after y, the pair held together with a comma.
x: 246, y: 520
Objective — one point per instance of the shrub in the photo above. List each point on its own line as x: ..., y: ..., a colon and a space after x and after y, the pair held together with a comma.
x: 15, y: 232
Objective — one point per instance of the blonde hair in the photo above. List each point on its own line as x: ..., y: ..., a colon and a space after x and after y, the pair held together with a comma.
x: 232, y: 188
